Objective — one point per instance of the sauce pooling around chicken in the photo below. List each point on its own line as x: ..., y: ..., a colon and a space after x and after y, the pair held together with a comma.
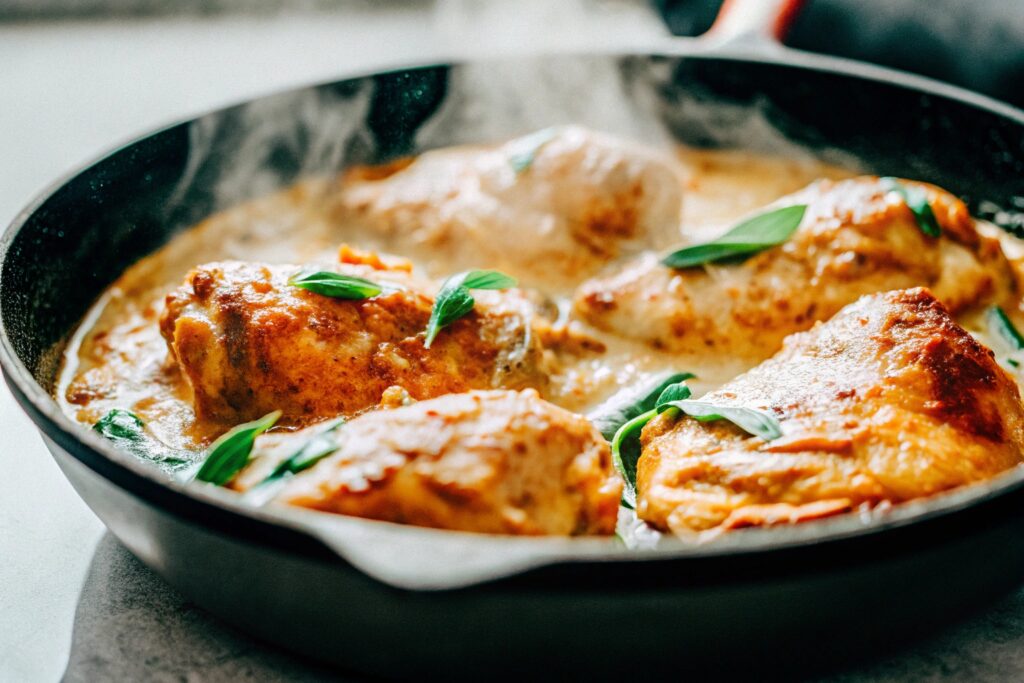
x: 210, y: 331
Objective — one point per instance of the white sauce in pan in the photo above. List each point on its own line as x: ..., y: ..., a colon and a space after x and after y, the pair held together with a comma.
x: 117, y: 357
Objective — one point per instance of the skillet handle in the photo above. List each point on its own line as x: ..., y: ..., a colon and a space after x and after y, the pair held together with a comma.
x: 753, y: 23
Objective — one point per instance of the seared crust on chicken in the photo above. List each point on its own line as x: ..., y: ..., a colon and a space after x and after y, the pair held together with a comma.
x: 856, y: 238
x: 548, y: 208
x: 488, y: 461
x: 888, y: 401
x: 249, y: 343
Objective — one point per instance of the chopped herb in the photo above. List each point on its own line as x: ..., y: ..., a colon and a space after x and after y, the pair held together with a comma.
x: 1002, y: 328
x: 916, y: 200
x: 335, y: 285
x: 313, y: 451
x: 753, y: 235
x: 529, y: 145
x: 128, y: 432
x: 121, y: 425
x: 230, y: 453
x: 454, y: 300
x: 1001, y: 325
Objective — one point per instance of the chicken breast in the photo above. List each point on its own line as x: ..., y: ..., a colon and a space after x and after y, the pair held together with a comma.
x: 489, y: 461
x: 249, y: 343
x: 856, y: 238
x: 549, y: 208
x: 888, y: 401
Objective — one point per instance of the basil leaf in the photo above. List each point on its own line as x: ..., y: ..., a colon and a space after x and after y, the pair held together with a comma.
x: 625, y: 425
x: 454, y: 300
x: 128, y: 432
x: 1000, y: 324
x: 916, y: 200
x: 626, y: 448
x: 487, y: 279
x: 230, y: 453
x: 755, y: 422
x: 626, y: 454
x: 619, y: 410
x: 674, y: 392
x: 755, y: 234
x: 121, y: 425
x: 1002, y: 328
x: 529, y: 144
x: 313, y: 451
x: 335, y: 285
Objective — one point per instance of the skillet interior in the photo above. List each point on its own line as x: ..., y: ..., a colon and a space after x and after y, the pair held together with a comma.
x: 63, y: 251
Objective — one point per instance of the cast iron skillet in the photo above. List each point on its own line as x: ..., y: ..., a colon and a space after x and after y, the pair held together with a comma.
x: 414, y: 603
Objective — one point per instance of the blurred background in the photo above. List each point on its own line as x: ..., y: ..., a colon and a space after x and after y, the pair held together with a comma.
x: 978, y: 44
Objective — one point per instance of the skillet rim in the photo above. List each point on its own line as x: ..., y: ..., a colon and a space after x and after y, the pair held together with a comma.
x: 224, y: 513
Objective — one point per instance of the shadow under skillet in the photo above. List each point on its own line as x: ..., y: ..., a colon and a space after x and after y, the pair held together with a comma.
x: 988, y: 648
x: 131, y: 626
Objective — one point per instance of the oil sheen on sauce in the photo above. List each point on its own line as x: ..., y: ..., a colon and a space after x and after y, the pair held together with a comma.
x: 118, y: 359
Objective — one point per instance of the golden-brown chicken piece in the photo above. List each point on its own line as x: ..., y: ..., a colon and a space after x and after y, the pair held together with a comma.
x: 856, y: 238
x: 489, y: 461
x: 888, y: 401
x: 550, y: 208
x: 249, y: 343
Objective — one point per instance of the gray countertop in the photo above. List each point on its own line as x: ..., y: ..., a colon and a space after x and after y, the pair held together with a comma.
x: 72, y: 601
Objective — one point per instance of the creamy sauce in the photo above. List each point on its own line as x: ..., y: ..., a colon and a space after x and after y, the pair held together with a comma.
x: 118, y: 359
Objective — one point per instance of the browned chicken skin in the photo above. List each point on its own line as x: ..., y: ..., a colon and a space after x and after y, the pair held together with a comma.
x: 249, y: 343
x: 888, y: 401
x: 488, y: 461
x: 856, y: 238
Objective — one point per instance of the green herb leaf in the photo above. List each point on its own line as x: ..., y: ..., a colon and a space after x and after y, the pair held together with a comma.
x: 755, y: 422
x: 454, y: 300
x: 625, y: 425
x: 121, y: 426
x: 487, y: 279
x: 620, y: 409
x: 1000, y: 325
x: 626, y: 454
x: 675, y: 398
x: 1002, y: 328
x: 755, y: 234
x: 527, y: 148
x: 230, y: 453
x: 674, y: 392
x: 128, y: 432
x: 916, y: 200
x: 313, y: 451
x: 335, y: 285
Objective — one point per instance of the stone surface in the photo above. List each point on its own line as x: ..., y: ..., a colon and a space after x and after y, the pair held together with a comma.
x: 130, y: 626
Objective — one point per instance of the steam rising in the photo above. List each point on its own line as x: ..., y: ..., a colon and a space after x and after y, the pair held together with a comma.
x: 257, y: 148
x: 254, y: 149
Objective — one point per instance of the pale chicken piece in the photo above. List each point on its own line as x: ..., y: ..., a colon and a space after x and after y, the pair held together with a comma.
x: 888, y: 401
x: 249, y: 343
x: 856, y: 238
x: 489, y: 461
x: 550, y: 208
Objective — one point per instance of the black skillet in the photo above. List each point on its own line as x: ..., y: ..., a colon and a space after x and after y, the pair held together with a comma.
x: 416, y: 603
